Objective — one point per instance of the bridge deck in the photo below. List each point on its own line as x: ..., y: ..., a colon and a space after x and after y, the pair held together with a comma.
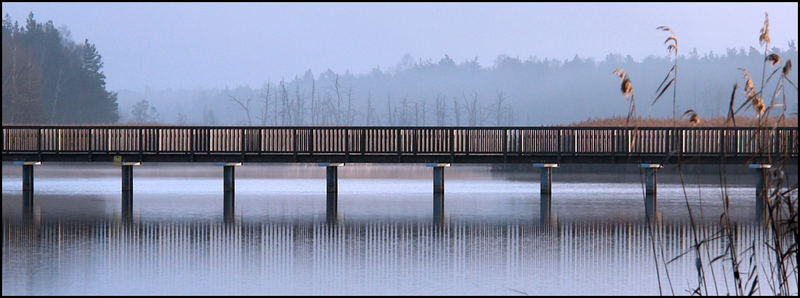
x: 396, y: 144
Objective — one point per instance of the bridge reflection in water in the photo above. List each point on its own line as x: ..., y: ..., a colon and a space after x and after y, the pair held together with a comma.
x: 210, y: 257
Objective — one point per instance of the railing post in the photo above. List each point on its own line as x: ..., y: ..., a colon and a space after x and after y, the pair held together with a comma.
x: 91, y: 141
x: 347, y: 144
x: 613, y: 144
x: 452, y: 144
x: 39, y: 141
x: 141, y: 143
x: 242, y: 143
x: 414, y: 141
x: 191, y: 143
x: 505, y: 145
x: 363, y: 141
x: 311, y: 142
x: 558, y: 142
x: 398, y: 144
x: 628, y: 141
x: 294, y: 142
x: 574, y: 142
x: 467, y: 142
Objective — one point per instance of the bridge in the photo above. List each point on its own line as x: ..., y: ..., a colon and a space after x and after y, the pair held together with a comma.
x: 438, y: 147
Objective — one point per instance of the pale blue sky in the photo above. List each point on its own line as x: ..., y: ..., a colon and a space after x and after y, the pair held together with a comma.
x: 213, y: 45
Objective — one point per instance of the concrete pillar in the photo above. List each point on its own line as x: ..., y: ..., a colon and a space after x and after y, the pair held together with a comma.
x: 229, y: 182
x: 438, y: 207
x: 438, y: 176
x: 331, y: 175
x: 228, y: 206
x: 332, y: 179
x: 127, y: 206
x: 27, y: 207
x: 27, y: 173
x: 331, y: 207
x: 332, y: 190
x: 546, y: 182
x: 228, y: 189
x: 438, y: 180
x: 545, y: 208
x: 762, y: 189
x: 127, y: 190
x: 228, y: 175
x: 651, y: 190
x: 27, y: 178
x: 127, y: 178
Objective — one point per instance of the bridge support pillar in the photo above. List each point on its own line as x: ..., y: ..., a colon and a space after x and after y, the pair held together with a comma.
x: 229, y: 189
x: 762, y: 188
x: 331, y: 175
x: 438, y: 208
x: 127, y: 189
x: 546, y: 181
x: 27, y: 189
x: 438, y: 176
x: 548, y: 216
x: 546, y: 189
x: 438, y: 191
x: 331, y: 208
x: 27, y: 174
x: 332, y: 189
x: 651, y: 190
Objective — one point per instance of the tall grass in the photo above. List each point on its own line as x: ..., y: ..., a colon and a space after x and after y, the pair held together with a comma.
x: 720, y: 121
x: 780, y: 219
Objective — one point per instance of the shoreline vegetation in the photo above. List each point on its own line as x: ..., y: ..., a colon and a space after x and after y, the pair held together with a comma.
x: 619, y: 121
x: 613, y: 121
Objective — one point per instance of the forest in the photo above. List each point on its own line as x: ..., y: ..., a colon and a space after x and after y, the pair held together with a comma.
x: 48, y: 78
x: 513, y: 91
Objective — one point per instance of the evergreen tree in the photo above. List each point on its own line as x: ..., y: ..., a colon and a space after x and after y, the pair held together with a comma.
x: 48, y: 78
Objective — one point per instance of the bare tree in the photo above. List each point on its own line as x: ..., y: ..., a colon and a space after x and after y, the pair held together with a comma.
x: 472, y: 109
x: 208, y: 117
x: 338, y: 101
x: 245, y: 106
x: 350, y: 114
x: 266, y: 104
x: 313, y: 102
x: 299, y: 105
x: 369, y: 108
x: 440, y: 106
x: 416, y: 113
x: 404, y: 115
x: 285, y: 112
x: 499, y: 107
x: 457, y: 110
x: 389, y: 107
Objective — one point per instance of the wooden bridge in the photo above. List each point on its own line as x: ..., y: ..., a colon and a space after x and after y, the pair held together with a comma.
x: 438, y: 147
x: 396, y: 144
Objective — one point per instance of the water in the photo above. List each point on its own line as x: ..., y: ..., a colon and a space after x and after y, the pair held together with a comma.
x: 385, y: 239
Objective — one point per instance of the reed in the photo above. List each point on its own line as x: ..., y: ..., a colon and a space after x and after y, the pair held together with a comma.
x: 780, y: 220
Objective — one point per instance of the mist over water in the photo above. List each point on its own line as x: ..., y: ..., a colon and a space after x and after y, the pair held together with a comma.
x: 385, y: 240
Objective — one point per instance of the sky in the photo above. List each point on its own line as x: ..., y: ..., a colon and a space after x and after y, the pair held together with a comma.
x: 218, y: 45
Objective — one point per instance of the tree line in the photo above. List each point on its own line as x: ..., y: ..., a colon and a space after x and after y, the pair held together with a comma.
x: 426, y: 92
x: 48, y: 78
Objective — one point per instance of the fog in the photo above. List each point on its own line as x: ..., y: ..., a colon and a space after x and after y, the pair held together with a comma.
x: 416, y: 63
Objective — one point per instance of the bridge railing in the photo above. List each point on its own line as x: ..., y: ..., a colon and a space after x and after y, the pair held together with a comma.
x: 399, y: 140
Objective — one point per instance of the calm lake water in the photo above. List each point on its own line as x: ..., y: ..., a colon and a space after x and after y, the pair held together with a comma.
x: 385, y: 239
